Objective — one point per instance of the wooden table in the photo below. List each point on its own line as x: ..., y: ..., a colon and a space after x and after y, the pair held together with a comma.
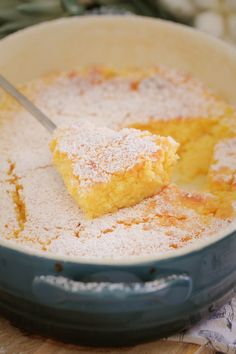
x: 13, y: 341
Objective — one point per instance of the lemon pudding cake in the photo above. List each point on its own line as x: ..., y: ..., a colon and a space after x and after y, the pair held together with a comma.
x: 199, y: 202
x: 105, y: 170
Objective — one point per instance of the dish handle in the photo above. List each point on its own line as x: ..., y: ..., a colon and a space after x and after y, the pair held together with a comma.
x: 61, y: 292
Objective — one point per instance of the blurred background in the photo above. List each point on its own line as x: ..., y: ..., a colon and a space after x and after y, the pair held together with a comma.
x: 216, y: 17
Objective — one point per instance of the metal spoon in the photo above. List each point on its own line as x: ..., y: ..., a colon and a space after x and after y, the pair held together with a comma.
x: 27, y: 104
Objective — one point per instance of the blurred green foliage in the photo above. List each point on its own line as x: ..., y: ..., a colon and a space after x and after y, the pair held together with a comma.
x: 17, y: 14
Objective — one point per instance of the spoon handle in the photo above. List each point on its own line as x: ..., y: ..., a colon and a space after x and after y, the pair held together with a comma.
x: 27, y: 104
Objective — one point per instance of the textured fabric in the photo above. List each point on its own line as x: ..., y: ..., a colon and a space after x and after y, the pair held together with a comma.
x: 218, y: 329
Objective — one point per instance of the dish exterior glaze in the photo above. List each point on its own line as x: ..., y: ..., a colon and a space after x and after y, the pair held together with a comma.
x: 77, y: 308
x: 124, y: 302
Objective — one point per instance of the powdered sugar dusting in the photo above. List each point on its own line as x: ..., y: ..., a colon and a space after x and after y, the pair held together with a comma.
x: 161, y: 95
x: 158, y: 224
x: 83, y: 288
x: 223, y: 168
x: 97, y: 153
x: 225, y: 155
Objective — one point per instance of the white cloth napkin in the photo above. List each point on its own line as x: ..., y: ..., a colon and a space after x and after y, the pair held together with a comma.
x: 218, y: 329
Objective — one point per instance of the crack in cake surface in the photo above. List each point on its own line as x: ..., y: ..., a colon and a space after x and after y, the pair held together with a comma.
x: 17, y: 199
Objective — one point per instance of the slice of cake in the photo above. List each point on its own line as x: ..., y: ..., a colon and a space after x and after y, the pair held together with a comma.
x: 105, y: 170
x: 222, y: 173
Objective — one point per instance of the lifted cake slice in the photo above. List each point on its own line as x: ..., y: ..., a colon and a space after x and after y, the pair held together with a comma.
x: 105, y: 170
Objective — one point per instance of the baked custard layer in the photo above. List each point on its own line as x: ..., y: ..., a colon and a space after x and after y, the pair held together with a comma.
x: 36, y: 209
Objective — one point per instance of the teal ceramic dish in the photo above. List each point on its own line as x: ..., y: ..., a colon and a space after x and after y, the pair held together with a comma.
x: 110, y: 305
x: 116, y: 303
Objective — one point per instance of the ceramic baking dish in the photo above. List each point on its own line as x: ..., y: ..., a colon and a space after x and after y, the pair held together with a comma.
x: 123, y: 302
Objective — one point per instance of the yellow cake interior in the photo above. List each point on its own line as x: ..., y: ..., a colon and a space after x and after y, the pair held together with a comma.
x: 197, y: 138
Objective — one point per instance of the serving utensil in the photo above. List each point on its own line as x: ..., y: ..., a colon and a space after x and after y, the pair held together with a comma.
x: 27, y: 104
